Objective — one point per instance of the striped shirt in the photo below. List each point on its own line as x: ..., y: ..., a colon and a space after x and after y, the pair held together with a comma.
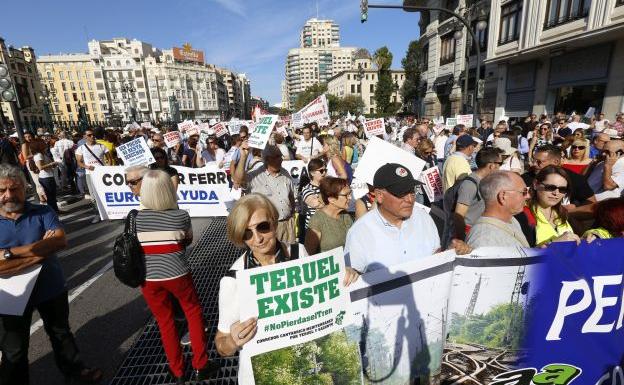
x: 162, y: 235
x: 307, y: 192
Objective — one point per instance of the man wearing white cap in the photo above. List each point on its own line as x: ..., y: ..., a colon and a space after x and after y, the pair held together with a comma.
x: 275, y: 183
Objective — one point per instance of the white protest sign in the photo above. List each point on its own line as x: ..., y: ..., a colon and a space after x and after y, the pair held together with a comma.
x: 15, y: 290
x: 234, y: 126
x: 203, y: 137
x: 316, y: 111
x: 185, y: 125
x: 146, y: 125
x: 220, y: 129
x: 192, y: 130
x: 296, y: 120
x: 466, y: 120
x: 203, y: 192
x: 590, y: 112
x: 259, y: 137
x: 432, y: 184
x: 282, y: 130
x: 379, y: 152
x: 135, y: 152
x: 136, y: 125
x: 438, y: 127
x: 375, y: 127
x: 171, y: 138
x: 295, y: 301
x: 451, y: 122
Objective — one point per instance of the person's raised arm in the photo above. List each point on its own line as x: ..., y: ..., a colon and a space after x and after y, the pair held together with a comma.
x: 240, y: 176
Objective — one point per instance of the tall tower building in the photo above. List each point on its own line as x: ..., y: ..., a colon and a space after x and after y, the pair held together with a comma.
x: 318, y: 58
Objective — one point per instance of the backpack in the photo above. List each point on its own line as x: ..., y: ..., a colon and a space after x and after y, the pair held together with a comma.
x: 449, y: 201
x: 128, y: 257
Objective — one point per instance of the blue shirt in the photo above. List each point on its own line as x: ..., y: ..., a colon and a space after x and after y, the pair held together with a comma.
x: 373, y: 243
x: 594, y: 152
x: 30, y: 228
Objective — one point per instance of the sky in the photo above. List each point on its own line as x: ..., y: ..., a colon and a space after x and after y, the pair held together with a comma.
x: 246, y: 36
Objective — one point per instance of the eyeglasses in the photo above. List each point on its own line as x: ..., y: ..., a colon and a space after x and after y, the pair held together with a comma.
x: 88, y: 135
x: 133, y: 182
x: 262, y: 228
x: 347, y: 194
x: 578, y: 147
x: 552, y: 188
x: 526, y: 191
x: 322, y: 170
x: 156, y: 140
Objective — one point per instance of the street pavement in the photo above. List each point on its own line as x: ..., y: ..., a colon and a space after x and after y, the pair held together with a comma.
x: 105, y: 315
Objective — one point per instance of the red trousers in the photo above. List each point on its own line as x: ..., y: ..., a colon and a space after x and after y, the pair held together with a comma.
x: 156, y: 294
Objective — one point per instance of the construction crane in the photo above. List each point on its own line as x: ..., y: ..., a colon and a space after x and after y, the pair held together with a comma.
x: 473, y: 299
x: 515, y: 309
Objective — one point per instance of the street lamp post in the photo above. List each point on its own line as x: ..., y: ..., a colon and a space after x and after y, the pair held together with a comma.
x: 128, y: 89
x: 360, y: 77
x: 463, y: 21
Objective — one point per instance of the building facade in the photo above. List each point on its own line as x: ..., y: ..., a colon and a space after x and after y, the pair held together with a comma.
x: 361, y: 80
x: 69, y: 82
x: 318, y: 58
x: 22, y: 66
x: 238, y: 93
x: 557, y: 55
x: 447, y: 50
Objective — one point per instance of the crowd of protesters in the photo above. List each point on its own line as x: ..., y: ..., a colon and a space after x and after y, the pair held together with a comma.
x: 516, y: 183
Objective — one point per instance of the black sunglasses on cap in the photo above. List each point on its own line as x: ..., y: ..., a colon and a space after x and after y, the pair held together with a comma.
x: 262, y: 228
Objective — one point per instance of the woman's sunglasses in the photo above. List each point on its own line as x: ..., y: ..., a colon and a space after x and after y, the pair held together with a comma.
x: 578, y: 147
x: 262, y: 228
x: 551, y: 188
x: 322, y: 170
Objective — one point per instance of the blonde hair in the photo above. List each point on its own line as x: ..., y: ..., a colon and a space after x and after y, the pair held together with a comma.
x: 583, y: 142
x: 239, y: 217
x: 334, y: 146
x: 158, y: 192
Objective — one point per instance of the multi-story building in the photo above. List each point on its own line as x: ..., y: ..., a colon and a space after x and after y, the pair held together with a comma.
x: 22, y: 66
x: 318, y: 58
x: 122, y: 65
x: 447, y: 49
x: 361, y: 80
x: 70, y: 83
x: 557, y: 55
x: 239, y: 93
x: 194, y: 85
x: 245, y: 86
x: 319, y: 33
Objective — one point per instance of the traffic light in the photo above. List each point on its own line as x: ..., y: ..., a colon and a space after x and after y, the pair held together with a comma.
x: 364, y: 10
x: 7, y: 90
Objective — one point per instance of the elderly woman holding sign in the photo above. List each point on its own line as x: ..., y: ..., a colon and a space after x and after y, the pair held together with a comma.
x: 252, y: 224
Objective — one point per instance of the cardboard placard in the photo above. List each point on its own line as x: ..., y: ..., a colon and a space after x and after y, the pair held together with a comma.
x: 171, y: 138
x: 259, y: 137
x: 135, y: 152
x: 375, y: 127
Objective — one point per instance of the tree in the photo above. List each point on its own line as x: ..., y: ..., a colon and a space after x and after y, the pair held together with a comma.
x: 383, y: 91
x: 412, y: 65
x: 310, y: 93
x: 350, y: 103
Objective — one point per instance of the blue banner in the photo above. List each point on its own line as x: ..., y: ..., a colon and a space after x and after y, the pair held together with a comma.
x: 575, y: 332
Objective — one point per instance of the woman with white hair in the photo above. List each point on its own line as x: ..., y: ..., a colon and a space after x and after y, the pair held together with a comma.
x: 164, y: 232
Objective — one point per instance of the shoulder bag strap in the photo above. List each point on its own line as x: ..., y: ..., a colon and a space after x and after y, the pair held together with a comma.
x: 95, y: 156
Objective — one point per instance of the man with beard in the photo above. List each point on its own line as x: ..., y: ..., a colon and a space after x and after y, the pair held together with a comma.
x: 31, y: 234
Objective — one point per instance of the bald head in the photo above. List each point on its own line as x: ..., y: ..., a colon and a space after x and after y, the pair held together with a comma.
x: 614, y: 146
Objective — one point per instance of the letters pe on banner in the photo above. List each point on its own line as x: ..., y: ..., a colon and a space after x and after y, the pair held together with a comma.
x: 259, y: 137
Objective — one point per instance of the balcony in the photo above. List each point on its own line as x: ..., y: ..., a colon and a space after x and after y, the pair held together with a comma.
x: 565, y: 11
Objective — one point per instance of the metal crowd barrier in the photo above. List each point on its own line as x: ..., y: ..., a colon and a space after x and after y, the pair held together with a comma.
x: 145, y: 362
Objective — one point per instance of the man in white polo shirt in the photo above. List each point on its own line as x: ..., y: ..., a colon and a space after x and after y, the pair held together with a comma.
x: 308, y: 147
x: 393, y: 232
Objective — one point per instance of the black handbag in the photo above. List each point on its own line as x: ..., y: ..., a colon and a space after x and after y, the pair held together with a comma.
x: 128, y: 256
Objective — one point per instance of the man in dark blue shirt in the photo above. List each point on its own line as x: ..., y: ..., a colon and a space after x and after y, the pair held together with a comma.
x: 31, y: 234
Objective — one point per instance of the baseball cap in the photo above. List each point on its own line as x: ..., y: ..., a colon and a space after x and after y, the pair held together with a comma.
x: 465, y: 141
x: 395, y: 178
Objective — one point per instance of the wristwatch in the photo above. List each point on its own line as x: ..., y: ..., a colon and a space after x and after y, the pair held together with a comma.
x: 7, y: 254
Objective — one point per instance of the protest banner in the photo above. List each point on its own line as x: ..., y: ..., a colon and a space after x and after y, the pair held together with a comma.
x: 402, y: 315
x: 135, y: 152
x: 466, y: 120
x: 296, y: 169
x: 220, y: 129
x: 146, y: 125
x: 185, y: 125
x: 192, y: 130
x: 135, y: 125
x: 575, y: 327
x: 451, y: 122
x: 314, y: 112
x: 379, y: 152
x: 590, y: 112
x: 296, y: 120
x: 432, y: 184
x: 374, y: 127
x: 259, y: 137
x: 234, y: 126
x: 171, y: 138
x: 295, y: 301
x: 203, y: 192
x: 203, y: 137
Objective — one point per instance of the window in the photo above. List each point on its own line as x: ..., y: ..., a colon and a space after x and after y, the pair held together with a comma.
x: 511, y: 14
x: 447, y: 49
x: 91, y: 96
x: 619, y: 2
x: 63, y: 86
x: 66, y: 96
x: 68, y: 106
x: 563, y: 11
x: 448, y: 4
x: 372, y: 88
x: 89, y: 85
x: 70, y: 76
x: 75, y: 97
x: 61, y: 75
x: 49, y: 75
x: 352, y: 88
x: 424, y: 59
x: 372, y: 100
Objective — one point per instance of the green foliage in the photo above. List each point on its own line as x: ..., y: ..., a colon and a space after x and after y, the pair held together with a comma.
x: 350, y: 103
x: 330, y: 360
x: 412, y: 65
x: 488, y: 329
x: 310, y: 93
x: 384, y: 89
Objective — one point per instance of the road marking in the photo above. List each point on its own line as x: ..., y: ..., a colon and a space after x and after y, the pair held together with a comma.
x: 75, y: 214
x: 79, y: 290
